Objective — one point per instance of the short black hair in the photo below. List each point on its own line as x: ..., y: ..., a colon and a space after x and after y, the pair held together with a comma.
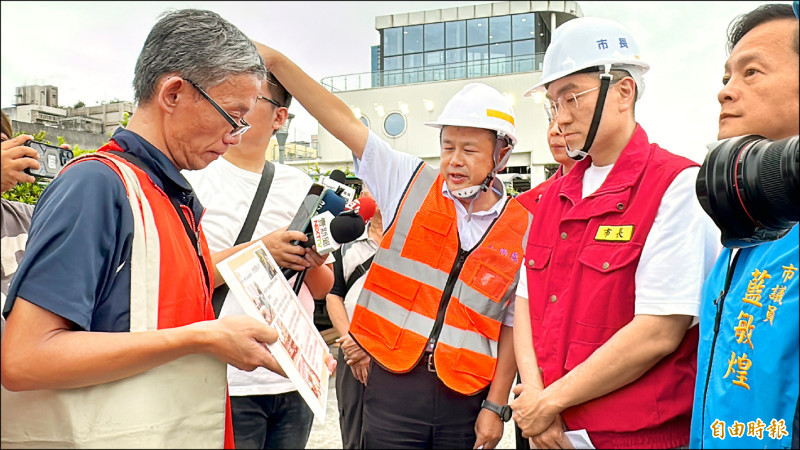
x: 279, y: 93
x: 745, y: 23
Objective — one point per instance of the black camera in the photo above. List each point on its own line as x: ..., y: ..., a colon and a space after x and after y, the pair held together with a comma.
x: 51, y: 159
x: 750, y: 186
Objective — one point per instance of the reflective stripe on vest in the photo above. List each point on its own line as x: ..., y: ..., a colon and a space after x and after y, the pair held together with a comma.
x: 184, y: 297
x: 397, y: 309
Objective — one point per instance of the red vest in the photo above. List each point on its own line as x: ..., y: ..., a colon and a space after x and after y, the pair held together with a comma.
x: 416, y: 269
x: 581, y: 264
x: 184, y: 296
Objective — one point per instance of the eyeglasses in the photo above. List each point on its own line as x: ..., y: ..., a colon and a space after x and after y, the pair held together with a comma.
x: 238, y: 128
x: 277, y: 105
x: 567, y: 101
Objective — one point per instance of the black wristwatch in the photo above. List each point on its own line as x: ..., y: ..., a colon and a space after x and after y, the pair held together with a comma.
x: 504, y: 411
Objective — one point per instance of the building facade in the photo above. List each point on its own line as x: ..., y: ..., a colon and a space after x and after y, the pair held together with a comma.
x: 37, y: 108
x: 425, y: 57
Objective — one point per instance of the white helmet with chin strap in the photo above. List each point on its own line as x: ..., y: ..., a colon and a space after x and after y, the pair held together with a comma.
x: 591, y: 44
x: 477, y: 105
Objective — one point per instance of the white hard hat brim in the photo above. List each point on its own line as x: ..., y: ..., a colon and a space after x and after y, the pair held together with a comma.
x: 616, y: 64
x: 465, y: 123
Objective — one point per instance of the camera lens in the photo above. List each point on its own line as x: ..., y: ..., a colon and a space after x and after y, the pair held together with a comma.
x: 750, y: 186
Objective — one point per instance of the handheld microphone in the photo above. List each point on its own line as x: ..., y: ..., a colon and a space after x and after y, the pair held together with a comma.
x: 319, y: 200
x: 308, y: 208
x: 364, y: 207
x: 337, y: 181
x: 331, y: 232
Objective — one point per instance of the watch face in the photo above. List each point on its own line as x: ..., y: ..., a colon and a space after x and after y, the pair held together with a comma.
x: 506, y: 416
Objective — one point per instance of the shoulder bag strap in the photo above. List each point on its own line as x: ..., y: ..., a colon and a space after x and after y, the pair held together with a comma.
x: 248, y: 228
x: 358, y: 272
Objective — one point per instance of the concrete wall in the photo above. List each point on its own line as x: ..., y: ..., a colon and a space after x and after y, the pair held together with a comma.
x: 84, y: 140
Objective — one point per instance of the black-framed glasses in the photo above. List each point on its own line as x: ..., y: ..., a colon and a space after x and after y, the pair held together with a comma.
x: 238, y: 128
x: 277, y: 105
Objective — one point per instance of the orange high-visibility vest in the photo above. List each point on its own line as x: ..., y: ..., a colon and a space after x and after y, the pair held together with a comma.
x: 423, y: 288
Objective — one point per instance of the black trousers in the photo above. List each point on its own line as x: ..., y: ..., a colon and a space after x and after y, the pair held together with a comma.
x: 416, y: 410
x: 350, y: 397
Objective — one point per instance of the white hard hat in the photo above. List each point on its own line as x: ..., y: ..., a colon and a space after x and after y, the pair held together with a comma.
x: 588, y: 42
x: 477, y: 105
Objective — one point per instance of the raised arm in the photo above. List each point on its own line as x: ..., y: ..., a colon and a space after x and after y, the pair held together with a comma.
x: 332, y: 113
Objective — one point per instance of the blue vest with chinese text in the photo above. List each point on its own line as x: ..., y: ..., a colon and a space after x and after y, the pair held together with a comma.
x: 749, y: 397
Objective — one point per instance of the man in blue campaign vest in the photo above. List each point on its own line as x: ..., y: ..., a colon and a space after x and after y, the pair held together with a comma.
x: 746, y: 395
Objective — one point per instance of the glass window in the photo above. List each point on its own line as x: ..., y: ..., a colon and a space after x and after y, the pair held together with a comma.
x: 523, y: 52
x: 434, y: 36
x: 434, y: 58
x: 411, y: 71
x: 412, y: 61
x: 434, y: 66
x: 412, y: 39
x: 523, y: 47
x: 542, y: 34
x: 477, y: 61
x: 501, y: 58
x: 364, y: 120
x: 522, y: 26
x: 455, y: 34
x: 394, y: 125
x: 393, y: 63
x: 500, y: 29
x: 456, y: 67
x: 392, y: 70
x: 393, y: 41
x: 500, y: 50
x: 477, y: 31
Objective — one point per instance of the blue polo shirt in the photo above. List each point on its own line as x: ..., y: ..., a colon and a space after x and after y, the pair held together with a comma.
x: 77, y: 259
x: 748, y: 397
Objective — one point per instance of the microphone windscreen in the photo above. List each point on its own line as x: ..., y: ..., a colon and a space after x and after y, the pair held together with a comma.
x: 364, y: 206
x: 346, y: 228
x: 338, y: 176
x: 331, y: 203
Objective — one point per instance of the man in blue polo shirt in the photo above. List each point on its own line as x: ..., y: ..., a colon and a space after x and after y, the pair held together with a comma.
x: 746, y: 394
x: 71, y: 321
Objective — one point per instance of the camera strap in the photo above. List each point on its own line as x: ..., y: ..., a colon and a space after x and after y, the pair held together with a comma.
x: 173, y: 198
x: 248, y: 227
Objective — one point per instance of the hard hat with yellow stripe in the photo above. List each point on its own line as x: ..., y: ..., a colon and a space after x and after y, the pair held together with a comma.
x: 479, y: 106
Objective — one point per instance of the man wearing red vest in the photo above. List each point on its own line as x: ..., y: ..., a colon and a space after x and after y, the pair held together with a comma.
x: 432, y: 313
x: 123, y: 225
x: 607, y: 342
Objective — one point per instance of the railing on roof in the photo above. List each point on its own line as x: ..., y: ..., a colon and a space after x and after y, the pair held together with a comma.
x: 441, y: 72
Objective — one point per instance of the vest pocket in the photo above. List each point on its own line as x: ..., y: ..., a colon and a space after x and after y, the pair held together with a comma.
x: 427, y: 237
x: 474, y: 363
x: 605, y: 257
x: 537, y: 258
x: 391, y: 296
x: 490, y: 282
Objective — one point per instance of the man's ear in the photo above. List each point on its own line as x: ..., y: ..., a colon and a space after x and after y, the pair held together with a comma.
x: 502, y: 155
x: 626, y: 90
x: 170, y: 92
x: 281, y: 116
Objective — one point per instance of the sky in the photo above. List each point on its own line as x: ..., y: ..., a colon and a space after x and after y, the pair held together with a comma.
x: 89, y: 50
